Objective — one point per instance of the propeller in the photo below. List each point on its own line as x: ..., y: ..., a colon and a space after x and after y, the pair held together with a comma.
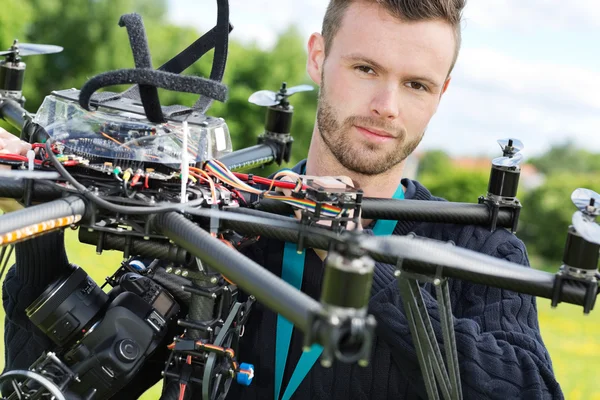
x: 584, y: 220
x: 30, y: 49
x: 511, y: 156
x: 268, y: 98
x: 587, y: 201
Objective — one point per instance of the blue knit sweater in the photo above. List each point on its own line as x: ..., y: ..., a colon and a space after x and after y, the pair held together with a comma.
x: 501, y: 353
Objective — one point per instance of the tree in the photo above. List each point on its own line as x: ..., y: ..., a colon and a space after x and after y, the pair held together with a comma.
x: 567, y: 157
x: 434, y: 161
x: 456, y: 184
x: 547, y: 212
x: 94, y: 43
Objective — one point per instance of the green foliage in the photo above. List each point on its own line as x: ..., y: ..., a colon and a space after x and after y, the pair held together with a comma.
x: 94, y: 43
x: 547, y: 212
x: 251, y: 69
x: 434, y: 162
x: 567, y: 157
x: 456, y: 184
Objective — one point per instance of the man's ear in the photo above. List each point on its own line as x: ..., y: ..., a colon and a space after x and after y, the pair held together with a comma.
x: 445, y: 85
x: 316, y: 56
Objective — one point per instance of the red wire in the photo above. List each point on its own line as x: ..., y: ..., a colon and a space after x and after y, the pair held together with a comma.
x: 266, y: 181
x: 17, y: 157
x: 181, y: 391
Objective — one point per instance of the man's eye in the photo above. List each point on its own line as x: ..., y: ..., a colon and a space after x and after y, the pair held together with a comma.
x: 365, y: 69
x: 416, y: 86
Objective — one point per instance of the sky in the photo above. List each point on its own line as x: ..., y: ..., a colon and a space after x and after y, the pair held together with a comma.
x: 527, y: 69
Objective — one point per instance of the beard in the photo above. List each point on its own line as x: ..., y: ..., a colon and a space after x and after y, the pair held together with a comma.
x: 360, y: 156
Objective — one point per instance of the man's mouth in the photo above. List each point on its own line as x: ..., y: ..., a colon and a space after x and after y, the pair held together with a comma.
x: 374, y: 134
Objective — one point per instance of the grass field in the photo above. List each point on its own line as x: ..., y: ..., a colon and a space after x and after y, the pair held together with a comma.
x: 573, y: 339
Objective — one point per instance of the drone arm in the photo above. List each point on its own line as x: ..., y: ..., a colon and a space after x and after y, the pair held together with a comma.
x: 13, y: 113
x: 498, y: 340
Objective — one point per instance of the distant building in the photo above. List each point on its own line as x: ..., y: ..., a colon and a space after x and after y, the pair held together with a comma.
x: 530, y: 177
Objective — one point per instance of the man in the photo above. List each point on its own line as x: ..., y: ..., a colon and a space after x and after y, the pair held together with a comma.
x: 382, y: 66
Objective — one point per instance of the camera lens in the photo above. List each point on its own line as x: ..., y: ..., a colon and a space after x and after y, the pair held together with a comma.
x: 68, y: 307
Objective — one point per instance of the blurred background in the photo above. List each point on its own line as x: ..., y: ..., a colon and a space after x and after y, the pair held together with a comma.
x: 529, y: 71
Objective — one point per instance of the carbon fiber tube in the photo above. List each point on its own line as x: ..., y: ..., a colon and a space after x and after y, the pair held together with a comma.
x: 274, y: 293
x: 426, y: 255
x: 13, y: 113
x: 249, y: 157
x: 528, y: 281
x: 15, y: 189
x: 173, y: 284
x: 145, y: 248
x: 202, y: 308
x: 433, y: 211
x: 537, y: 283
x: 413, y: 210
x: 283, y: 234
x: 65, y: 207
x: 261, y: 214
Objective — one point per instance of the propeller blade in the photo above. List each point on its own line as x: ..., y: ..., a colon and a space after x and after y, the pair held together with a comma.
x: 516, y: 144
x: 581, y: 198
x: 264, y: 98
x: 586, y: 227
x: 299, y: 88
x: 29, y: 49
x: 5, y: 53
x: 508, y: 161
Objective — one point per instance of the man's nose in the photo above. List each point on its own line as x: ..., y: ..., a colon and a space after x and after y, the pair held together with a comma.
x: 386, y: 103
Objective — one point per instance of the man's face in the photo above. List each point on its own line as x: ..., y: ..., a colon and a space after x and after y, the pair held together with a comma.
x: 380, y: 85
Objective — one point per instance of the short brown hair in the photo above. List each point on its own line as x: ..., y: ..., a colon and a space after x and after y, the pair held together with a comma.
x: 404, y: 10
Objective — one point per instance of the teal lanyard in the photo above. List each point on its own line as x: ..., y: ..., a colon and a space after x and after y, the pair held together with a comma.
x: 292, y: 272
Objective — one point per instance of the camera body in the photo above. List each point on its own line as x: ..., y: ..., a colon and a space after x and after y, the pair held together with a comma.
x: 104, y: 338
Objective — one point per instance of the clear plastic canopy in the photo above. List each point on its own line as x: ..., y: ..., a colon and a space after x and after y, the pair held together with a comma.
x: 117, y: 135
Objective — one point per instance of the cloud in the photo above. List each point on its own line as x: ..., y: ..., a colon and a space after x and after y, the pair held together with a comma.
x: 494, y: 95
x: 260, y: 21
x: 532, y: 14
x: 563, y: 85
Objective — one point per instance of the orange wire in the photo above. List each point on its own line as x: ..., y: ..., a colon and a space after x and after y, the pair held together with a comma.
x: 114, y: 140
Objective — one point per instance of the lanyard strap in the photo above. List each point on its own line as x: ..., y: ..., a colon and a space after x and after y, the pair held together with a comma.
x: 292, y: 272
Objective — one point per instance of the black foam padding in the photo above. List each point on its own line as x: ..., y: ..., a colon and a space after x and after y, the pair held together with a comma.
x: 141, y: 55
x: 220, y: 56
x: 217, y: 38
x: 161, y: 79
x: 137, y: 38
x: 183, y: 60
